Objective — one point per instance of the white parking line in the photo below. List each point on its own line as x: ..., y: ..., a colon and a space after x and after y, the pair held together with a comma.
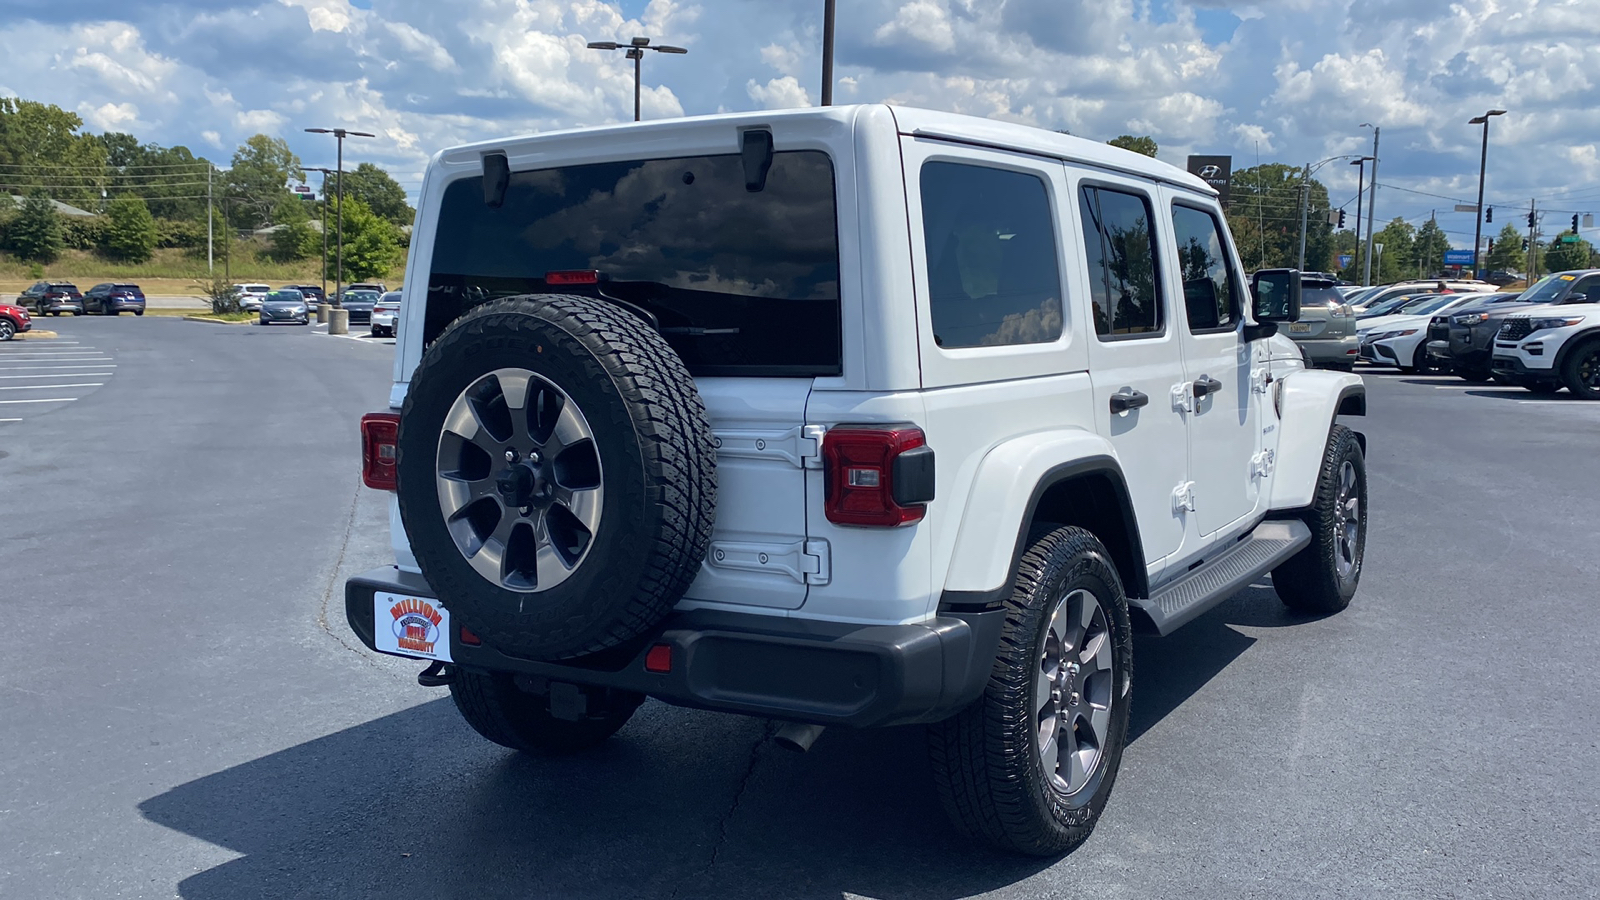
x: 10, y: 420
x: 50, y: 400
x: 41, y: 387
x: 64, y: 375
x: 85, y: 366
x: 1578, y: 403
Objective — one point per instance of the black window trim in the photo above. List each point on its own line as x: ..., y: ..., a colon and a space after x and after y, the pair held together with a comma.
x: 1037, y: 171
x: 1161, y: 292
x: 1236, y: 303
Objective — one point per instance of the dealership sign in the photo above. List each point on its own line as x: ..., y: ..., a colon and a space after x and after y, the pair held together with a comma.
x: 1215, y: 171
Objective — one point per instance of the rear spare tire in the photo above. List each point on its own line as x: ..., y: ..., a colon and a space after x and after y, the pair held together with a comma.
x: 557, y: 476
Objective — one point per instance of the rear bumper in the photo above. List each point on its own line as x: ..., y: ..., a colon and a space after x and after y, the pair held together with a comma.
x: 822, y: 672
x: 1320, y: 351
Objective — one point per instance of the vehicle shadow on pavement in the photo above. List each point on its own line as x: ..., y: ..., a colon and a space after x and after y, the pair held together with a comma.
x: 681, y: 803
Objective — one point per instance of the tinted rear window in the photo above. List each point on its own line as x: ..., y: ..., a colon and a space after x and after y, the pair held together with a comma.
x: 1319, y: 296
x: 741, y: 282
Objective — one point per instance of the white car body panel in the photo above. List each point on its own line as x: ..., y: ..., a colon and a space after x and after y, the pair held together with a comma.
x: 1309, y: 401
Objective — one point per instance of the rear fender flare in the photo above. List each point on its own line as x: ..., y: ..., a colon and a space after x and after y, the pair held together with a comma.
x: 1310, y: 401
x: 1011, y: 481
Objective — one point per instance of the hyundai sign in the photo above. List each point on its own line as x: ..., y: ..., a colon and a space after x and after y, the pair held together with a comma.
x: 1215, y: 171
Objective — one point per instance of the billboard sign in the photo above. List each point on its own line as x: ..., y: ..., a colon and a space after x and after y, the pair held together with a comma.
x: 1215, y: 171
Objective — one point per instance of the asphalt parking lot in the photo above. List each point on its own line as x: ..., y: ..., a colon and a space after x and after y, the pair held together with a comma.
x: 185, y: 713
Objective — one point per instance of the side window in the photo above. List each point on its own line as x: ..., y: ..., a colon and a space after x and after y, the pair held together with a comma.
x: 993, y: 278
x: 1589, y: 286
x: 1119, y: 243
x: 1210, y: 293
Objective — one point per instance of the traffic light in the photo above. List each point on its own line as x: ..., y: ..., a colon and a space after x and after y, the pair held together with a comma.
x: 1341, y: 220
x: 1491, y: 245
x: 1574, y: 223
x: 1488, y: 215
x: 1530, y: 220
x: 1524, y: 245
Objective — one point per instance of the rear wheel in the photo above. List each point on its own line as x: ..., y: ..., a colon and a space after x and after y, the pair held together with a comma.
x: 1581, y: 371
x: 496, y: 708
x: 1029, y: 766
x: 7, y: 330
x: 1323, y: 577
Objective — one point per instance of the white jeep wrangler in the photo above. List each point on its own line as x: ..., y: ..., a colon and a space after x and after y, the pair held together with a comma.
x: 851, y: 416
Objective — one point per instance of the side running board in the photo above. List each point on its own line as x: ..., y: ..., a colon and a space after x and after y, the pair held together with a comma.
x: 1180, y: 602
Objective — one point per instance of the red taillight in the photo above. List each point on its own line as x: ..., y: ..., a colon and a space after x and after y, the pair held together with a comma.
x: 573, y: 276
x: 879, y: 476
x: 659, y: 659
x: 469, y: 638
x: 380, y: 432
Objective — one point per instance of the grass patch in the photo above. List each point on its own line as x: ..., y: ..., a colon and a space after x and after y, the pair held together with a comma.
x: 170, y: 272
x: 213, y: 317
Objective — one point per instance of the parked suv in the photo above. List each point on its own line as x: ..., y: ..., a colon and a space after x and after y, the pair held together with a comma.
x: 52, y: 298
x: 852, y: 416
x: 1545, y: 348
x: 110, y: 299
x: 1326, y: 331
x: 13, y: 321
x: 1459, y: 341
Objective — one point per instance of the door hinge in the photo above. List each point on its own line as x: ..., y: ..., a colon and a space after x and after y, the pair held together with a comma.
x: 801, y: 445
x: 1262, y: 464
x: 808, y: 562
x: 1183, y: 497
x: 1183, y: 397
x: 1259, y: 380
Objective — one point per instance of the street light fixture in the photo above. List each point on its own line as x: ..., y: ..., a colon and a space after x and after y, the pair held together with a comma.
x: 340, y: 134
x: 325, y: 174
x: 635, y: 51
x: 1483, y: 165
x: 1305, y: 199
x: 1361, y: 189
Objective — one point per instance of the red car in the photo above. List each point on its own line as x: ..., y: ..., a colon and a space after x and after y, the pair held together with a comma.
x: 13, y: 320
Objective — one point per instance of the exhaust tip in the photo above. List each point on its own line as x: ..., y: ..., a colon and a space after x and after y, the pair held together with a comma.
x: 797, y: 736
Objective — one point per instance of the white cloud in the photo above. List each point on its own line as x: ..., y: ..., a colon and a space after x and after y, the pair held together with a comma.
x: 325, y: 15
x: 778, y: 93
x: 920, y: 21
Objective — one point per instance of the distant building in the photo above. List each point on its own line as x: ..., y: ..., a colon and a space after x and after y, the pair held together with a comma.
x: 61, y: 208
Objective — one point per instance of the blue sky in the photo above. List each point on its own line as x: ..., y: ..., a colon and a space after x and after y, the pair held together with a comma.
x: 1292, y: 78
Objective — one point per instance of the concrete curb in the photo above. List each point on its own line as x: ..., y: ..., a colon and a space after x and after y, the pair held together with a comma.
x: 35, y: 335
x: 216, y: 321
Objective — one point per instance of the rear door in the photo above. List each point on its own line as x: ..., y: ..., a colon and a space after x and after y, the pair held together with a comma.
x: 1135, y: 360
x: 1225, y: 379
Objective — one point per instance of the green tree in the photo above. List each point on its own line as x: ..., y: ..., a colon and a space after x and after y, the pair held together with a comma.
x: 381, y: 193
x: 1428, y: 250
x: 371, y: 244
x: 1398, y: 260
x: 40, y: 147
x: 131, y: 234
x: 259, y: 178
x: 171, y: 180
x: 1561, y: 257
x: 1264, y: 216
x: 1506, y: 254
x: 35, y: 233
x: 294, y: 238
x: 1139, y: 144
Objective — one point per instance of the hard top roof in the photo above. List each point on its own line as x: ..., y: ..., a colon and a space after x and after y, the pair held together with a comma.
x: 908, y: 120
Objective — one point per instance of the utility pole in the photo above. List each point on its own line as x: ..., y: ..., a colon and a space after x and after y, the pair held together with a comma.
x: 211, y: 265
x: 827, y: 52
x: 1305, y: 201
x: 325, y: 174
x: 1372, y: 206
x: 1533, y: 239
x: 1361, y: 190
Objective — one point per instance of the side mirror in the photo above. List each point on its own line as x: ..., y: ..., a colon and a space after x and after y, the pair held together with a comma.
x: 1276, y: 295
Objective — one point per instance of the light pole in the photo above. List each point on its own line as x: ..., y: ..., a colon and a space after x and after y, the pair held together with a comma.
x: 827, y: 52
x: 325, y: 174
x: 1483, y: 165
x: 1305, y: 200
x: 1372, y: 206
x: 636, y: 49
x: 1361, y: 189
x: 340, y: 134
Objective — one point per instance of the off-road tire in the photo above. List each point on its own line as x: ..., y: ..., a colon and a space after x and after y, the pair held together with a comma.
x: 1583, y: 360
x: 986, y: 759
x: 1311, y: 580
x: 496, y: 708
x: 656, y: 457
